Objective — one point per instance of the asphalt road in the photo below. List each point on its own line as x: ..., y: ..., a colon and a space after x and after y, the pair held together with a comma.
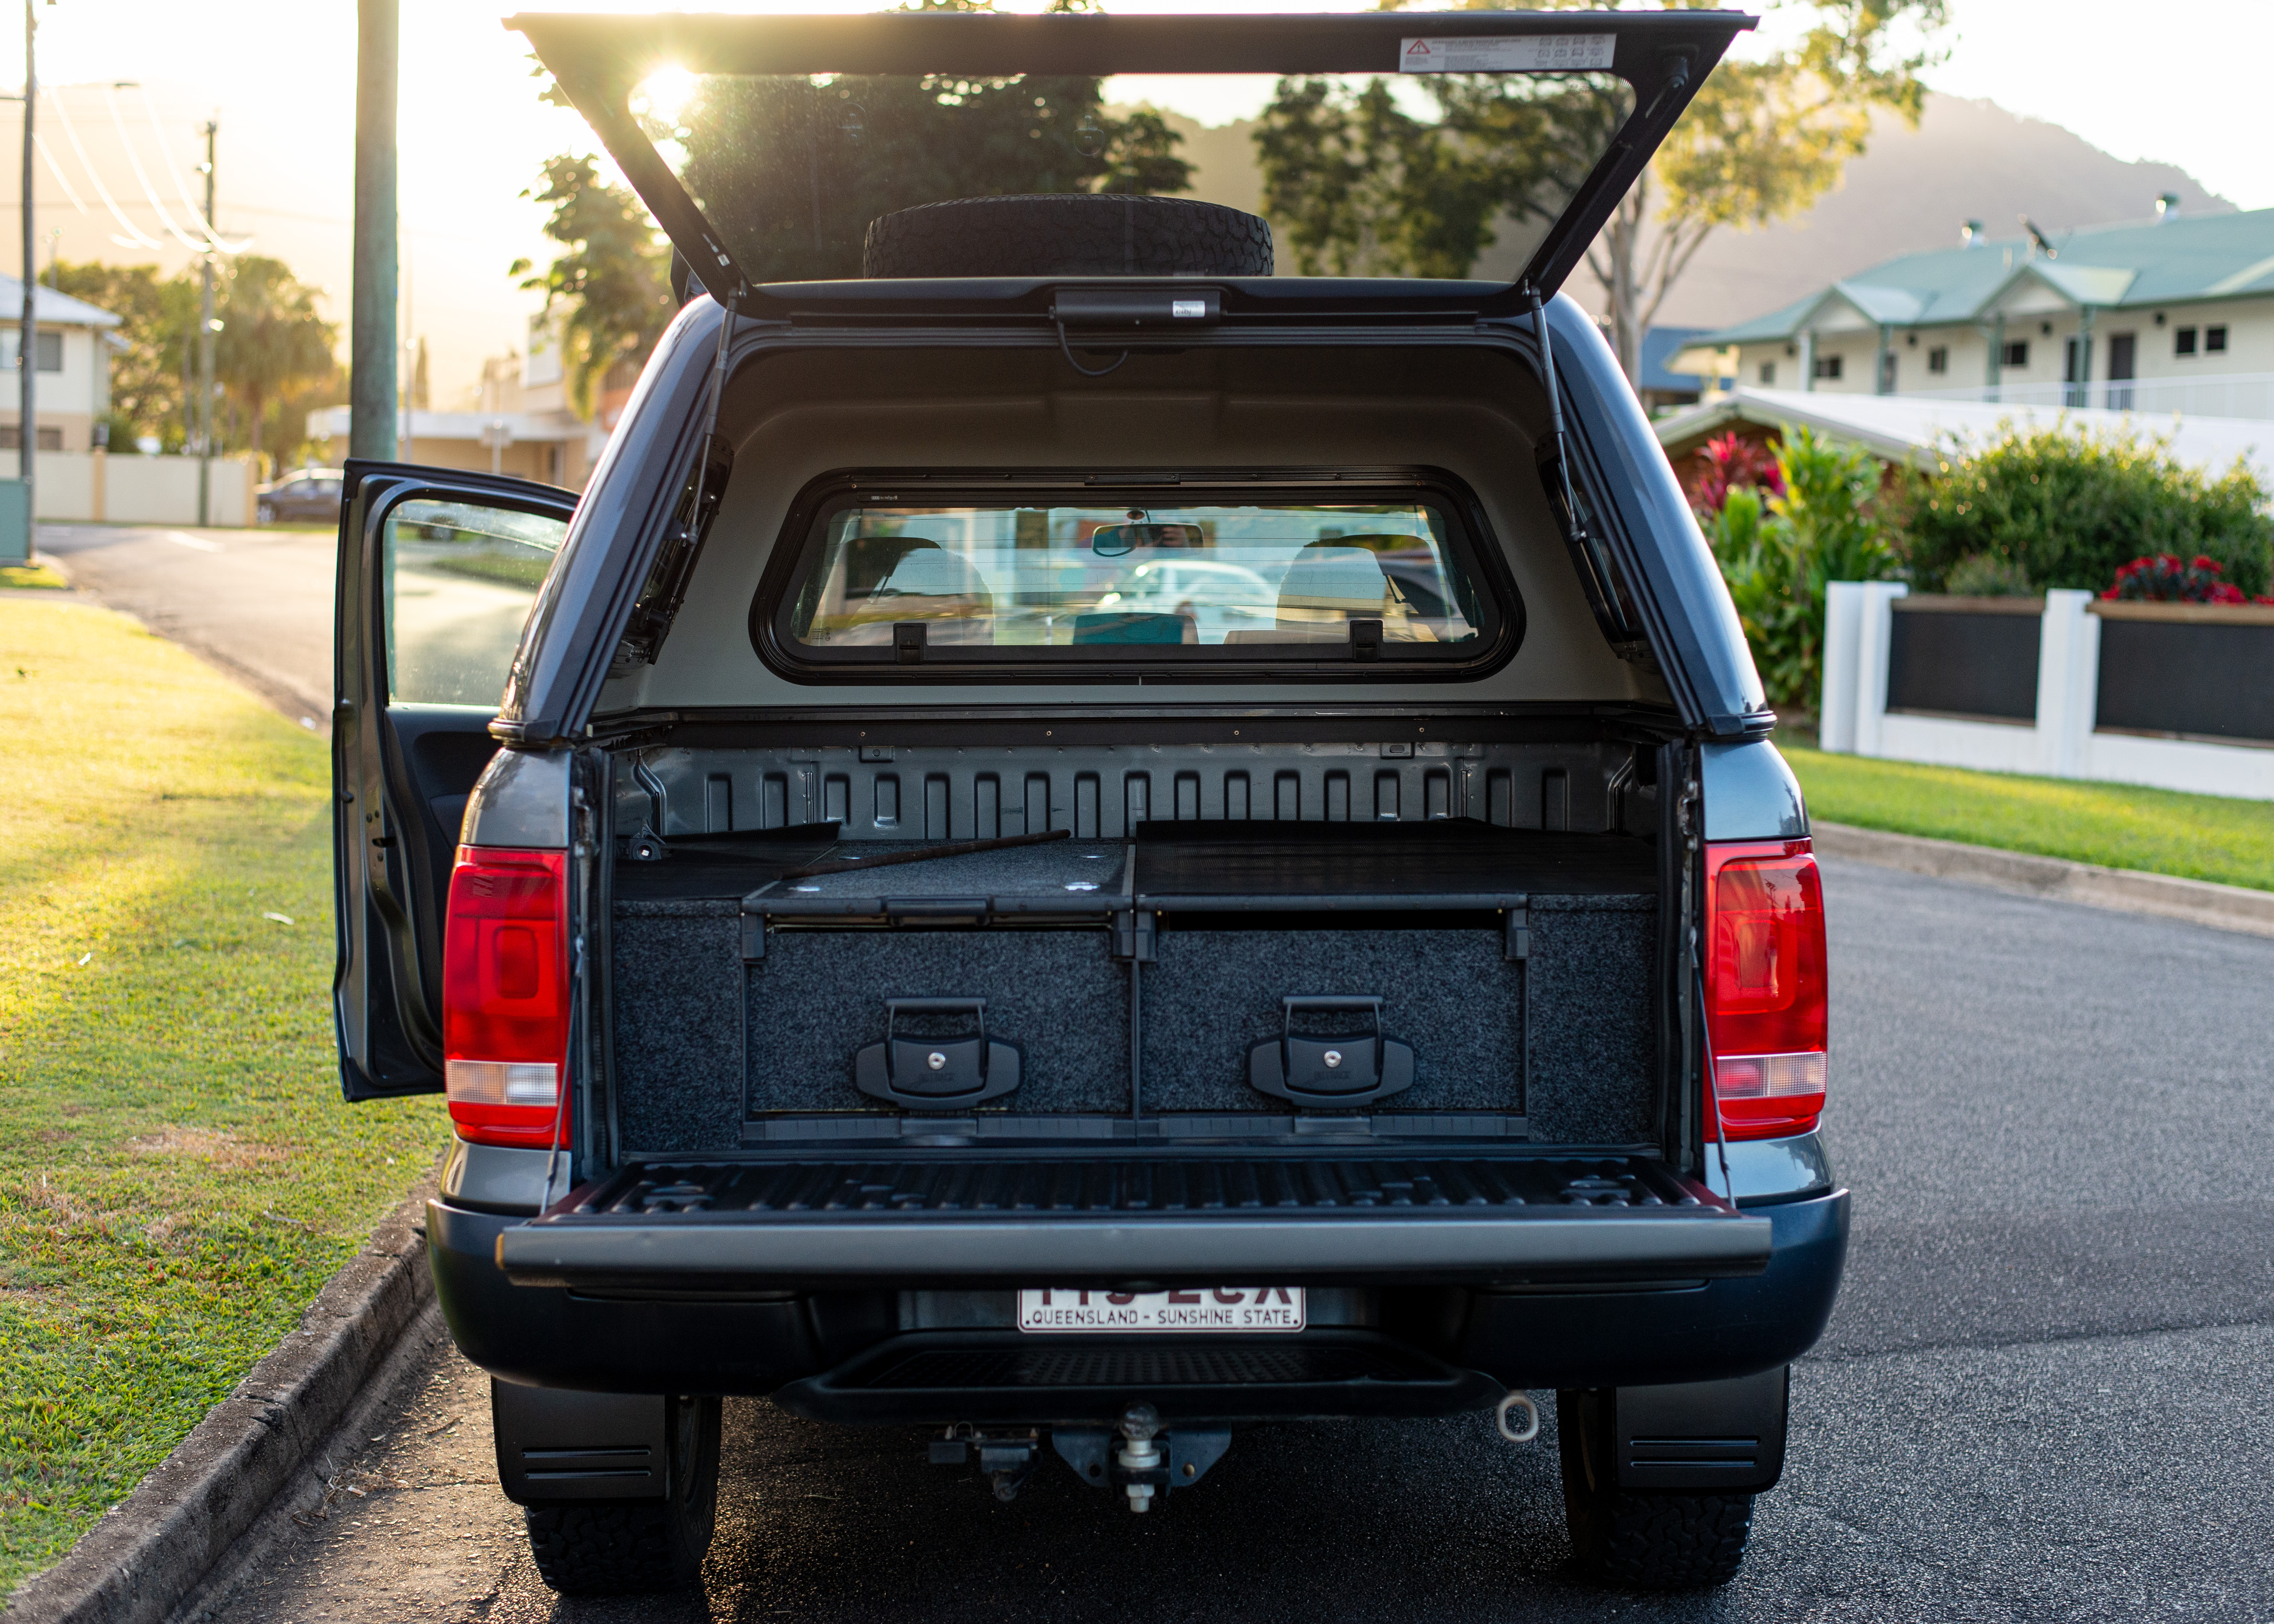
x: 2043, y: 1396
x: 257, y: 602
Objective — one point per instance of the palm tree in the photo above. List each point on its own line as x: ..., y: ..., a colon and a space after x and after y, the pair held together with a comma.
x: 271, y: 341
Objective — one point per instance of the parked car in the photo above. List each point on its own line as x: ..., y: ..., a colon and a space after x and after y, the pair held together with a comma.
x: 304, y: 495
x: 1217, y: 598
x: 867, y: 972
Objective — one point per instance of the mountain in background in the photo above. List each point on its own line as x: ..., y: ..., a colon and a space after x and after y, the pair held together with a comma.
x: 1911, y: 190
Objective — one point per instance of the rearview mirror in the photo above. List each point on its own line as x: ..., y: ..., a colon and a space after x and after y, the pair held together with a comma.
x: 1120, y: 540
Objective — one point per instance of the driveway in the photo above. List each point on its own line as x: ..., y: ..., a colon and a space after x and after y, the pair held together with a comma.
x: 257, y: 602
x: 2043, y: 1395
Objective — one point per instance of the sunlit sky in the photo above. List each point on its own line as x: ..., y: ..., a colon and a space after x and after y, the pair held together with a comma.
x: 2180, y: 84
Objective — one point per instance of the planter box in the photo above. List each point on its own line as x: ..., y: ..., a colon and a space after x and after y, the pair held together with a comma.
x: 2187, y: 671
x: 1972, y: 658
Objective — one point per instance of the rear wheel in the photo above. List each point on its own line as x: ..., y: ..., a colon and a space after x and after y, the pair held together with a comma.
x: 1641, y: 1539
x: 594, y: 1548
x: 265, y: 514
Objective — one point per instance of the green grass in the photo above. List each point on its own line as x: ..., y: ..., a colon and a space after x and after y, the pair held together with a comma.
x: 178, y: 1176
x: 2197, y: 837
x: 40, y: 574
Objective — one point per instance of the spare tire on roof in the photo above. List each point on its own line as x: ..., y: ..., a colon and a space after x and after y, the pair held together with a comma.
x: 1078, y: 234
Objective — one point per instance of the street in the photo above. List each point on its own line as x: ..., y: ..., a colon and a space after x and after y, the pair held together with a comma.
x: 2041, y: 1397
x: 256, y: 603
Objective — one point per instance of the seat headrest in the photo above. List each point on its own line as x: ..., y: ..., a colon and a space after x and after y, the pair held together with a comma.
x: 1329, y: 578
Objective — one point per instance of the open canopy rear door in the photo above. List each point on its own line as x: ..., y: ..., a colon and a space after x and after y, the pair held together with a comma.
x: 437, y: 568
x: 766, y: 145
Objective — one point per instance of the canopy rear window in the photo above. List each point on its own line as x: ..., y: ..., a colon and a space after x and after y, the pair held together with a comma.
x: 1248, y: 578
x: 1433, y: 145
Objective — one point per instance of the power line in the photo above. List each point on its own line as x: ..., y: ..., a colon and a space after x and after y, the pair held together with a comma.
x: 134, y: 161
x: 135, y: 237
x: 181, y: 187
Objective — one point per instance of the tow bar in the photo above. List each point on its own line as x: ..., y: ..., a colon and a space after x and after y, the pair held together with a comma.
x: 1140, y: 1457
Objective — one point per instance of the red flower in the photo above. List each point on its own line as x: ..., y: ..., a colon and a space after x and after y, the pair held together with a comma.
x: 2162, y: 578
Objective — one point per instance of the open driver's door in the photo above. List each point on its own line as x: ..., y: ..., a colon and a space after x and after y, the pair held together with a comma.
x: 437, y: 568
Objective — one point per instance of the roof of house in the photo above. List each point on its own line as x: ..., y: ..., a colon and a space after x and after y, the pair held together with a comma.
x: 2183, y: 258
x: 1909, y: 427
x: 1660, y: 346
x: 56, y: 310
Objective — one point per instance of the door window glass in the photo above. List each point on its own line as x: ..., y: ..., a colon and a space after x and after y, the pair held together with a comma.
x: 458, y: 580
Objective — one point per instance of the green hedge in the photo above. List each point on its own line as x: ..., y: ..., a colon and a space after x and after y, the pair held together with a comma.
x: 2065, y: 508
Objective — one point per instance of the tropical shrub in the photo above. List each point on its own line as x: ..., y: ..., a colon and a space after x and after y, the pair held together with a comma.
x: 1985, y: 574
x: 1780, y: 545
x: 2066, y: 508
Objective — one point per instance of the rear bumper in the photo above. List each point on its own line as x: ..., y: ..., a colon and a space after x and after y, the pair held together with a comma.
x: 1082, y: 1250
x: 921, y: 1221
x: 694, y: 1335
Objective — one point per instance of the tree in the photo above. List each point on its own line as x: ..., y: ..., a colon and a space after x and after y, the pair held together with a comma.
x: 272, y: 342
x: 157, y: 327
x: 792, y: 171
x: 613, y: 277
x: 1358, y: 184
x: 1761, y: 142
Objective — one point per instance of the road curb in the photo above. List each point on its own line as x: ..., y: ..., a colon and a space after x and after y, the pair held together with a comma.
x: 149, y: 1551
x: 2199, y: 902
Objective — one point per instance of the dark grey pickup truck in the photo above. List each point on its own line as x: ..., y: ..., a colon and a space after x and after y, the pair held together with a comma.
x: 1084, y: 846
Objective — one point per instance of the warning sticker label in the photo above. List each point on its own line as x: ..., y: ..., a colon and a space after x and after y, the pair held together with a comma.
x: 1537, y: 53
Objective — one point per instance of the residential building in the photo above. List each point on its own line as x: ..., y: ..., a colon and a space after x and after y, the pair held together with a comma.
x: 516, y: 421
x: 2171, y: 315
x: 74, y: 345
x: 1916, y: 429
x: 1660, y: 387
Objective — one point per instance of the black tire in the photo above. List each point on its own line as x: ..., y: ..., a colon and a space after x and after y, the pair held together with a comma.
x: 1079, y: 233
x: 1641, y: 1539
x: 597, y: 1547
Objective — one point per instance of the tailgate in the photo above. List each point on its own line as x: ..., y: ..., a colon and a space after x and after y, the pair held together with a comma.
x: 1061, y: 1220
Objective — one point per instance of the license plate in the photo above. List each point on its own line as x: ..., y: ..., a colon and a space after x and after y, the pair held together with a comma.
x: 1201, y: 1308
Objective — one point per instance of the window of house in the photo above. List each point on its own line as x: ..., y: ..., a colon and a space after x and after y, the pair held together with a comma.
x: 1769, y: 374
x: 1937, y: 359
x: 12, y: 437
x: 1828, y: 367
x: 50, y: 351
x: 2016, y: 353
x: 2183, y: 341
x: 2214, y: 342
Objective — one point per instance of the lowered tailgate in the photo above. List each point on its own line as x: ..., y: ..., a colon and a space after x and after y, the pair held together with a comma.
x: 1191, y: 1218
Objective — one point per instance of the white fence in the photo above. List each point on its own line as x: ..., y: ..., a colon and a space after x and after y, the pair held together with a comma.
x: 2063, y: 740
x: 125, y: 488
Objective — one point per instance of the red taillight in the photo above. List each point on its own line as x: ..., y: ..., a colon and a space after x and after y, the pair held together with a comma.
x: 1765, y: 987
x: 505, y: 995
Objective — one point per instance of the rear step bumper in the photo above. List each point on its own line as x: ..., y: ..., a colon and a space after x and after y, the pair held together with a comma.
x: 934, y: 1376
x: 819, y: 1223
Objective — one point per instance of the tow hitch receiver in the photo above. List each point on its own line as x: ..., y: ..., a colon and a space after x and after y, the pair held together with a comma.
x: 1141, y: 1460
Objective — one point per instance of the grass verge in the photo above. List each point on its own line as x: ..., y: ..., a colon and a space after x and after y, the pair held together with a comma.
x: 2116, y: 826
x: 178, y: 1176
x: 40, y: 574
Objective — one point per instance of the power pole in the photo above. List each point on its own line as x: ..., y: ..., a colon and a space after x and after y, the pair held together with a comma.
x: 28, y: 346
x: 371, y: 304
x: 206, y: 327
